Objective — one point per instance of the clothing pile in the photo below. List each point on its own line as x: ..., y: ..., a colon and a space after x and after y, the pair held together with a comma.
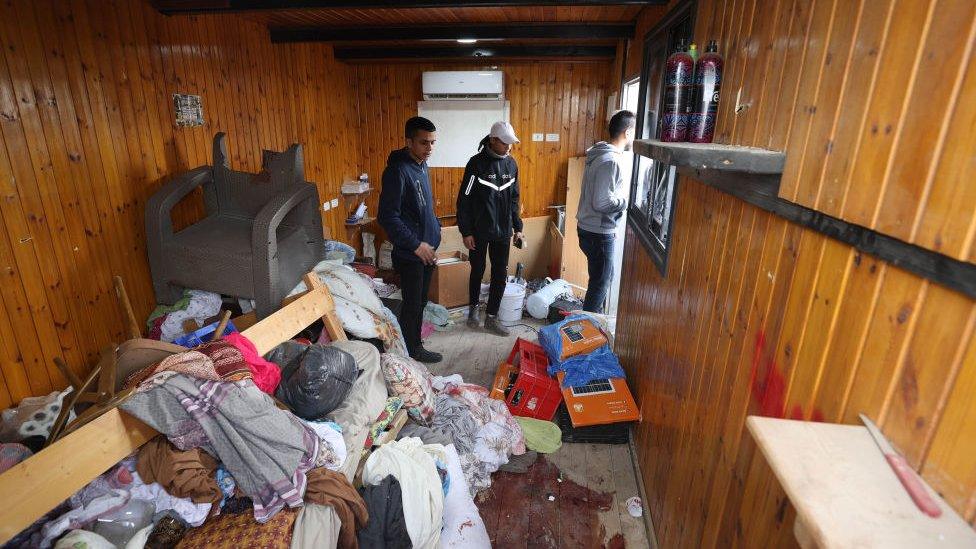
x: 165, y: 323
x: 263, y: 450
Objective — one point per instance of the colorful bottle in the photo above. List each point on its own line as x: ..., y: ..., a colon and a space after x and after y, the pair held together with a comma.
x: 678, y: 79
x: 704, y: 102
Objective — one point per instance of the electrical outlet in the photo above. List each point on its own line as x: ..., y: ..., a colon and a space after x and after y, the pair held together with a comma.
x: 335, y: 202
x: 326, y: 206
x: 552, y: 137
x: 537, y: 137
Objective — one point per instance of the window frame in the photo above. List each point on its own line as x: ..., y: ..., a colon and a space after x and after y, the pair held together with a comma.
x: 659, y: 42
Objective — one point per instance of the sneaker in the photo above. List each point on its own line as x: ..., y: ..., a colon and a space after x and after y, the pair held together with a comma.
x: 473, y: 320
x: 493, y: 325
x: 423, y: 355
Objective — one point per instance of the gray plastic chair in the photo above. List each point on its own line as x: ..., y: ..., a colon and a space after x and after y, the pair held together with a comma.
x: 262, y: 231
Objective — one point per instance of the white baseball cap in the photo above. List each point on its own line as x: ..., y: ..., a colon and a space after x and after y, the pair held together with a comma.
x: 505, y: 132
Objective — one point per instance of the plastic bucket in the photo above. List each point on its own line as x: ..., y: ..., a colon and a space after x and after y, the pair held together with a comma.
x: 510, y: 310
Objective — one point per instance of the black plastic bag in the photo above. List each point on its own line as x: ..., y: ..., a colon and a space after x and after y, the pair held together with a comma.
x: 315, y: 379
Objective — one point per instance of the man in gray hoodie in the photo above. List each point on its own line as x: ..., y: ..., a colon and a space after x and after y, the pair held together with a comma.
x: 601, y: 206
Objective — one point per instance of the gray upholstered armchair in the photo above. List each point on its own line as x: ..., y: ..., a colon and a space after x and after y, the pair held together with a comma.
x: 262, y: 231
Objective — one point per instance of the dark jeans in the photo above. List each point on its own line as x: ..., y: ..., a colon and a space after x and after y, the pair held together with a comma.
x: 498, y: 251
x: 598, y: 249
x: 414, y: 285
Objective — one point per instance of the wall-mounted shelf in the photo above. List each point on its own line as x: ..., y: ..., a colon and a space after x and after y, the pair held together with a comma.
x: 845, y: 493
x: 713, y: 156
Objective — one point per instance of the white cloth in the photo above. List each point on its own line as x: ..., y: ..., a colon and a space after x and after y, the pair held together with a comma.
x: 139, y: 540
x: 193, y: 513
x: 81, y: 516
x: 202, y: 306
x: 316, y: 527
x: 463, y: 526
x: 331, y: 438
x: 412, y: 464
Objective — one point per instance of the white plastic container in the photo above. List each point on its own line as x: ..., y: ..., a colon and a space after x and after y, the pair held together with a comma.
x: 538, y: 303
x: 510, y: 309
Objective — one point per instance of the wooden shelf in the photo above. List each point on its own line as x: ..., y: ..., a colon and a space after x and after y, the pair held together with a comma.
x: 845, y: 493
x: 713, y: 156
x: 363, y: 193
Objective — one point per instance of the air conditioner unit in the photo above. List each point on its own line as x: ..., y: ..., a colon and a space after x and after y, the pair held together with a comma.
x: 464, y: 85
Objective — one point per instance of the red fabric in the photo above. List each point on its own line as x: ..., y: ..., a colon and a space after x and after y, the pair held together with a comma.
x: 266, y: 375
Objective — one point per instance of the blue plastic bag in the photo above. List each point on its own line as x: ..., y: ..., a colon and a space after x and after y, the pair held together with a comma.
x: 580, y: 369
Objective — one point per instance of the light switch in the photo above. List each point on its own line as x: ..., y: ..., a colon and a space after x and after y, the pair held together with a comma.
x: 552, y: 137
x: 537, y: 137
x: 335, y: 202
x: 326, y: 206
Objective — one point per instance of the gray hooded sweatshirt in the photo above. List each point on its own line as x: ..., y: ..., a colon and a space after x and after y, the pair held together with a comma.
x: 600, y: 208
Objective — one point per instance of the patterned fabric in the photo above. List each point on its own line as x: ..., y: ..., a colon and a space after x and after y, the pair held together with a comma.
x: 484, y: 431
x: 393, y: 405
x: 266, y: 449
x: 411, y: 381
x: 230, y: 531
x: 216, y: 361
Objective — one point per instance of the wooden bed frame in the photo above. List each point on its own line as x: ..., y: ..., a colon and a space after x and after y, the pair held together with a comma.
x: 33, y: 487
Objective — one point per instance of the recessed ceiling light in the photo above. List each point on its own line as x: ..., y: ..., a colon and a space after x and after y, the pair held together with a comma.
x: 467, y: 40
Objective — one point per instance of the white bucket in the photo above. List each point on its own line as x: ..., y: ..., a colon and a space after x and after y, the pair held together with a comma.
x: 510, y: 310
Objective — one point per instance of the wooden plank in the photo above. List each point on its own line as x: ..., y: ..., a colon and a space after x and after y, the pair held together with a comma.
x: 93, y: 450
x: 844, y: 491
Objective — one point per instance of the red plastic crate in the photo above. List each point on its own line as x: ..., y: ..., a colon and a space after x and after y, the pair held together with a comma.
x: 533, y: 394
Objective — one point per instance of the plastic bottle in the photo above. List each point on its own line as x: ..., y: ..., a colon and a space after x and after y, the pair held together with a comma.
x: 678, y: 78
x: 704, y: 103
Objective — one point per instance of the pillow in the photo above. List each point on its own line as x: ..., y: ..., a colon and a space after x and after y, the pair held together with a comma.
x: 411, y: 381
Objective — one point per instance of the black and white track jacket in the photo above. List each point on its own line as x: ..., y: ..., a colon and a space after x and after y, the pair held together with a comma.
x: 488, y: 200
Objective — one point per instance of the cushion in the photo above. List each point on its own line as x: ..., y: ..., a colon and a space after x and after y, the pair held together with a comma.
x: 411, y: 381
x: 241, y: 530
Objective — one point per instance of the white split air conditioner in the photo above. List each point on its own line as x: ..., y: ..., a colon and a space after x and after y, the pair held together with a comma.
x: 465, y: 85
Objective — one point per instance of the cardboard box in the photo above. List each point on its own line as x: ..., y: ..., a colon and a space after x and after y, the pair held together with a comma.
x: 449, y: 285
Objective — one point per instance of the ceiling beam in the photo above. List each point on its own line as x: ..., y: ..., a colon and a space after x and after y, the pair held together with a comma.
x: 453, y: 32
x: 172, y: 7
x: 474, y: 52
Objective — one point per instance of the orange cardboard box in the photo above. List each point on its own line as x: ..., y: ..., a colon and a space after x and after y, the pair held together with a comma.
x: 449, y: 284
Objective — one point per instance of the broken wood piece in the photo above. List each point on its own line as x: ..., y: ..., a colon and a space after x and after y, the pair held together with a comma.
x: 68, y: 404
x: 389, y: 434
x: 68, y: 374
x: 333, y: 326
x: 219, y: 332
x: 128, y: 316
x: 107, y: 367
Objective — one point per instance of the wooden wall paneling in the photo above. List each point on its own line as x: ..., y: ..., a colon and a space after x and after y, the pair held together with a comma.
x: 736, y: 42
x: 843, y: 142
x: 99, y: 153
x: 947, y: 221
x: 712, y: 378
x: 759, y: 55
x: 847, y: 342
x: 820, y: 97
x: 792, y: 56
x: 33, y: 176
x: 899, y: 57
x: 924, y: 123
x: 928, y: 371
x: 77, y: 223
x: 762, y: 112
x: 891, y: 323
x: 949, y: 466
x: 736, y: 398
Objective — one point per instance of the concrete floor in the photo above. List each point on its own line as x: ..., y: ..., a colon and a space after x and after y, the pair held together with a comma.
x: 588, y: 484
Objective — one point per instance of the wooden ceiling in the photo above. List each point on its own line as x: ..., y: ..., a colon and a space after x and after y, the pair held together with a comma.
x: 430, y: 16
x: 504, y: 28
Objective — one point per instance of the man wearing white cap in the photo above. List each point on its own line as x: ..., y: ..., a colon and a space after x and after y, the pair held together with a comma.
x: 487, y: 216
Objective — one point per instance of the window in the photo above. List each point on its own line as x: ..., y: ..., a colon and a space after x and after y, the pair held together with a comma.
x: 631, y: 95
x: 654, y: 185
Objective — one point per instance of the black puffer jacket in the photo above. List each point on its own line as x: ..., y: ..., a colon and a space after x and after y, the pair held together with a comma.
x: 488, y: 200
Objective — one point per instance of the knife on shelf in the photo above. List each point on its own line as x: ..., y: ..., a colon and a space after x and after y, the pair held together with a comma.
x: 909, y: 479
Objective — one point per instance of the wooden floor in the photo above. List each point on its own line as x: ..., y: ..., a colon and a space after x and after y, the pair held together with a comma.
x: 588, y: 484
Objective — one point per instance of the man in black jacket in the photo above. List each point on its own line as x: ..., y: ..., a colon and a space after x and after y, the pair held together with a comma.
x: 406, y: 213
x: 487, y: 215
